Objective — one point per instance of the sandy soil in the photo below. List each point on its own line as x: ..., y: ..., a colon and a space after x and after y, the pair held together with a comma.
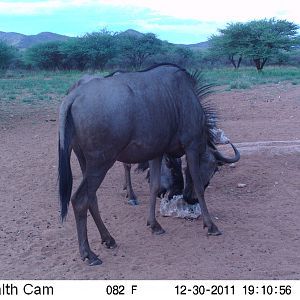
x: 260, y: 222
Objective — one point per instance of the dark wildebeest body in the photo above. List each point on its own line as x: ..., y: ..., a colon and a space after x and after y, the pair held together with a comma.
x: 171, y: 175
x: 132, y: 118
x: 84, y: 79
x: 127, y: 185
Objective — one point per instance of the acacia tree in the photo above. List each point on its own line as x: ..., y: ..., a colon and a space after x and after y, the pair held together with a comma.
x: 93, y: 50
x: 266, y: 38
x: 136, y: 49
x: 7, y: 54
x: 229, y: 43
x: 45, y: 55
x: 258, y: 40
x: 75, y: 54
x: 100, y: 47
x: 183, y: 56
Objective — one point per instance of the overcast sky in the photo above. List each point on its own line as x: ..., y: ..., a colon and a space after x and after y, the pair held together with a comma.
x: 184, y: 21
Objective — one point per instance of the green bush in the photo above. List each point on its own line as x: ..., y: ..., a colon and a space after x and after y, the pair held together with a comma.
x: 46, y: 56
x: 7, y: 55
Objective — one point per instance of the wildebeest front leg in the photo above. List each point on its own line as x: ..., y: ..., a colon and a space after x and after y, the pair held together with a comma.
x: 155, y: 168
x: 132, y: 199
x: 193, y: 161
x: 189, y: 191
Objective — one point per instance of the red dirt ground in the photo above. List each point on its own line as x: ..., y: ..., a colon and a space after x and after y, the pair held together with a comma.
x: 260, y: 222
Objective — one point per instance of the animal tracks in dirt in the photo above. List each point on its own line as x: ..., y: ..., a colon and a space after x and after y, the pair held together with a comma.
x: 269, y: 147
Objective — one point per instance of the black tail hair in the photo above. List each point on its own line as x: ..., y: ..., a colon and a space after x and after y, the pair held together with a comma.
x: 65, y: 177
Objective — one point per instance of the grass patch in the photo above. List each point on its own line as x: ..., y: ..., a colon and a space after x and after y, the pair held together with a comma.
x: 35, y: 87
x: 244, y: 78
x: 28, y: 100
x: 239, y: 84
x: 44, y: 87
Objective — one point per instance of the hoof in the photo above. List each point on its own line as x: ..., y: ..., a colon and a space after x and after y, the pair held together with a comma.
x: 158, y: 231
x: 95, y: 261
x: 133, y: 202
x: 156, y: 228
x: 214, y: 233
x: 91, y: 257
x: 213, y: 230
x: 110, y: 243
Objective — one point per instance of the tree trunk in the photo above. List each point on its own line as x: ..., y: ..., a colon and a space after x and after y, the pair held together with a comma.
x: 232, y: 61
x: 263, y: 63
x: 259, y: 63
x: 239, y: 62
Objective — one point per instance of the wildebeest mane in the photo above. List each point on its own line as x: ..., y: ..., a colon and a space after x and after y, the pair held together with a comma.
x: 202, y: 90
x: 115, y: 72
x: 147, y: 69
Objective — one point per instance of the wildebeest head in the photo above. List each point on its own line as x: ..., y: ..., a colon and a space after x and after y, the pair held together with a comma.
x: 213, y: 158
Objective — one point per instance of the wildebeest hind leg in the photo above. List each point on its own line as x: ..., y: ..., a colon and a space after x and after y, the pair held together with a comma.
x: 80, y: 157
x: 80, y: 206
x: 193, y: 164
x: 155, y: 167
x: 84, y: 199
x: 106, y: 238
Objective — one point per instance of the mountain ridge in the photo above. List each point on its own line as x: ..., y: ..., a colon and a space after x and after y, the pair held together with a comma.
x: 23, y: 41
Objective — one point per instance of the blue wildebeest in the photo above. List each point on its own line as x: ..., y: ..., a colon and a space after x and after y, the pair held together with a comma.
x: 132, y: 118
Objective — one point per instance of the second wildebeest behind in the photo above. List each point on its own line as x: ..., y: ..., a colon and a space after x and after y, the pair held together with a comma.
x: 158, y: 112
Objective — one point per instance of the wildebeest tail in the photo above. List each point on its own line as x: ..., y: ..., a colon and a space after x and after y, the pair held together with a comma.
x: 65, y: 178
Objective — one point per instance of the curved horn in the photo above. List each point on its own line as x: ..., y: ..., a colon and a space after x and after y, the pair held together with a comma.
x: 228, y: 160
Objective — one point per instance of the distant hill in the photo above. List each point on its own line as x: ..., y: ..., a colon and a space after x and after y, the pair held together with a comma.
x: 198, y: 46
x: 23, y: 41
x: 131, y: 32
